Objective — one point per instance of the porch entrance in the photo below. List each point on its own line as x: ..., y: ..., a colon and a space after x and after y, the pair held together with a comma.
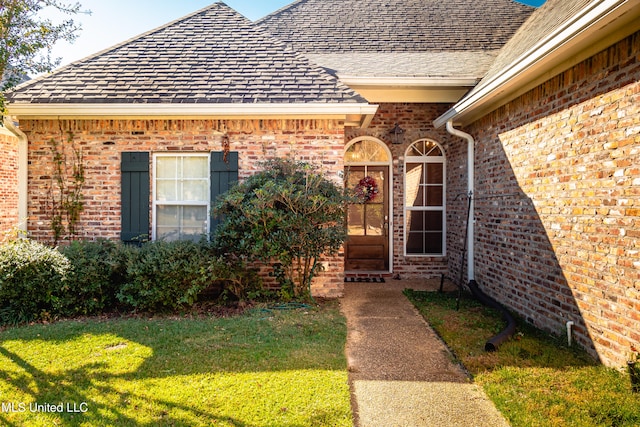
x: 367, y: 175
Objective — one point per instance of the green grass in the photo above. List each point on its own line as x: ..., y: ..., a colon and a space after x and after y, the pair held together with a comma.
x: 534, y: 379
x: 263, y: 368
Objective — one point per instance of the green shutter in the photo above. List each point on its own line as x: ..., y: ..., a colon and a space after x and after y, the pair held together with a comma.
x: 224, y: 173
x: 134, y: 168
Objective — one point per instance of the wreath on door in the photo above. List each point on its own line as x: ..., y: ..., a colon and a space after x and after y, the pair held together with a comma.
x: 367, y: 189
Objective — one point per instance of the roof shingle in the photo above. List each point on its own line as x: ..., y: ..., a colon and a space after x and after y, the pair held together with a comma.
x: 454, y: 64
x: 345, y: 26
x: 542, y: 23
x: 212, y: 56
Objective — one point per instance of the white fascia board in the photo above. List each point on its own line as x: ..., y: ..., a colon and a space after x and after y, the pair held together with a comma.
x: 537, y: 60
x: 85, y: 111
x: 355, y: 81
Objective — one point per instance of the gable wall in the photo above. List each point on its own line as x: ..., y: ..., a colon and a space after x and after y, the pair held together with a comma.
x: 8, y: 183
x: 315, y: 141
x: 558, y: 202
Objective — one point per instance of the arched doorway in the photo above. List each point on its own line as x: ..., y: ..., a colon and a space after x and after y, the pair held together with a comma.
x: 367, y: 165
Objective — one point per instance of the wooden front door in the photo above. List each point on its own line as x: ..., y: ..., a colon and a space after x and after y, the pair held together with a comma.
x: 367, y: 247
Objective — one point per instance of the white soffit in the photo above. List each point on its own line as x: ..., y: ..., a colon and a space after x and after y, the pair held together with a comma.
x: 410, y: 89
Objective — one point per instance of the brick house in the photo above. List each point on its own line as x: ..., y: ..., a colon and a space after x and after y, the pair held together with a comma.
x: 543, y: 104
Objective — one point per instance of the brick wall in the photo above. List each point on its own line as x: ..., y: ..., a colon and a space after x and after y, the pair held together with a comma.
x: 558, y: 208
x: 417, y: 122
x: 8, y: 183
x: 320, y: 142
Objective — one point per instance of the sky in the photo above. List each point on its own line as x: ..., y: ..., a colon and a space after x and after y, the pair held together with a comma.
x: 114, y: 21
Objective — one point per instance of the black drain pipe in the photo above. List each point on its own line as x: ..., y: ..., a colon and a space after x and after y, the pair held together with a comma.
x: 493, y: 342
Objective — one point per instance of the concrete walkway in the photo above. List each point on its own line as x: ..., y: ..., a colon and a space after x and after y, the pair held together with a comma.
x: 401, y: 373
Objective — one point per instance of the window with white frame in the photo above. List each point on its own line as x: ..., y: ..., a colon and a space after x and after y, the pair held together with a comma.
x: 180, y: 196
x: 424, y: 205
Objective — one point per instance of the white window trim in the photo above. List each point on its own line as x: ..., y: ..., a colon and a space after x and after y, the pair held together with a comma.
x: 156, y: 203
x: 425, y: 159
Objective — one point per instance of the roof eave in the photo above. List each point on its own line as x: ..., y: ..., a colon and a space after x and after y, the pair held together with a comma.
x: 597, y: 26
x: 409, y: 81
x: 410, y: 89
x: 353, y: 114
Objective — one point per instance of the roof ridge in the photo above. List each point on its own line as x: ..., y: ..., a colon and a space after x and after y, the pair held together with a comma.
x: 279, y: 11
x: 125, y: 42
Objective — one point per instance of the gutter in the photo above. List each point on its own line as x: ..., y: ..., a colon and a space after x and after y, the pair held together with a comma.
x: 23, y: 164
x: 470, y: 194
x: 589, y: 31
x: 354, y: 114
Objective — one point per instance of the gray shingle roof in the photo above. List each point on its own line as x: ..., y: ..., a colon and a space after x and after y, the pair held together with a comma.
x: 345, y: 26
x: 460, y: 64
x: 542, y: 23
x: 211, y: 56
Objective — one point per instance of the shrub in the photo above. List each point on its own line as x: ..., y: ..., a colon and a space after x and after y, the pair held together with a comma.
x: 236, y: 279
x: 98, y: 270
x: 288, y: 213
x: 31, y: 274
x: 164, y: 276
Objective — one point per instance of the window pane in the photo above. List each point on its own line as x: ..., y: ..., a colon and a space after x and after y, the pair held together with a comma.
x: 432, y: 149
x: 194, y: 191
x: 166, y: 167
x: 435, y: 173
x: 433, y: 243
x: 195, y: 167
x: 415, y: 150
x: 415, y: 243
x: 167, y: 224
x: 374, y: 220
x: 414, y: 192
x: 193, y: 222
x: 415, y: 220
x: 356, y: 220
x: 354, y: 177
x: 166, y: 190
x: 378, y: 177
x: 435, y: 196
x: 433, y: 221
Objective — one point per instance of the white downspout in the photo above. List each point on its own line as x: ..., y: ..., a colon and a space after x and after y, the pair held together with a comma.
x: 471, y: 192
x: 23, y: 164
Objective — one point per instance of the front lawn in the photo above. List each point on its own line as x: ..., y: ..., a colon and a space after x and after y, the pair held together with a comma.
x: 263, y: 368
x: 533, y: 379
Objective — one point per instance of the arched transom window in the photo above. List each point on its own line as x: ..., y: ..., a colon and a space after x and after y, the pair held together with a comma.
x: 367, y: 151
x: 424, y: 204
